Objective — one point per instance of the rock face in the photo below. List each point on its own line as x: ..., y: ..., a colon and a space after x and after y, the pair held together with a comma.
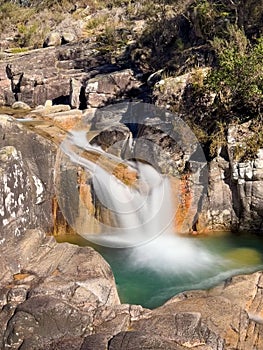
x: 75, y: 74
x: 53, y: 290
x: 54, y: 39
x: 145, y: 133
x: 233, y: 201
x: 26, y: 188
x: 59, y: 296
x: 47, y: 289
x: 235, y: 191
x: 69, y: 302
x: 78, y: 76
x: 104, y: 89
x: 223, y: 318
x: 226, y: 317
x: 46, y: 75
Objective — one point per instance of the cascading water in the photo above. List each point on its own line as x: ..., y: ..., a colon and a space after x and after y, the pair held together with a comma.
x: 153, y: 263
x: 144, y: 213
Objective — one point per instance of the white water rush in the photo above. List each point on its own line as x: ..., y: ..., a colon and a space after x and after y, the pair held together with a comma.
x: 138, y: 215
x: 114, y: 187
x: 142, y: 212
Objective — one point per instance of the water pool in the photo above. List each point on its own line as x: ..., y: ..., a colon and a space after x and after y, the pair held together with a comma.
x: 151, y: 276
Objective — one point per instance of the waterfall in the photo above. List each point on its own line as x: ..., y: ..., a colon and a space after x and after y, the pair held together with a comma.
x: 143, y: 210
x: 144, y: 213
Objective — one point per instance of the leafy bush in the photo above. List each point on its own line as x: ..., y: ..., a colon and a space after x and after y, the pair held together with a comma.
x: 232, y: 92
x: 238, y: 79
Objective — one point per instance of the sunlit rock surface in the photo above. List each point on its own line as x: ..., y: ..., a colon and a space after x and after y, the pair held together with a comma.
x: 234, y: 195
x: 77, y: 75
x: 57, y: 296
x: 51, y: 290
x: 226, y: 317
x: 47, y: 289
x: 26, y: 187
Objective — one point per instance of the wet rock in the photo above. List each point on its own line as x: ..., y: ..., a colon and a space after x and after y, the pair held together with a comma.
x: 60, y: 296
x: 152, y: 135
x: 106, y: 117
x: 113, y: 139
x: 46, y: 288
x: 67, y: 120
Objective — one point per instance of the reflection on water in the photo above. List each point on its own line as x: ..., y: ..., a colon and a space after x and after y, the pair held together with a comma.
x: 151, y: 274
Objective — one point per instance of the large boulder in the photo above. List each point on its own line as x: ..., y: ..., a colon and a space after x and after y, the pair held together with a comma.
x: 225, y: 317
x: 44, y: 74
x: 26, y: 187
x: 53, y: 39
x: 106, y: 88
x: 54, y: 291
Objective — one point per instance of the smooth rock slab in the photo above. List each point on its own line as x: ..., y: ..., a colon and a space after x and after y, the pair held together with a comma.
x: 67, y: 286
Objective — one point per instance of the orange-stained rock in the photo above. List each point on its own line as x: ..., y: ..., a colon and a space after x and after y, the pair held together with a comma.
x: 85, y: 191
x: 183, y: 221
x: 60, y: 225
x: 187, y: 218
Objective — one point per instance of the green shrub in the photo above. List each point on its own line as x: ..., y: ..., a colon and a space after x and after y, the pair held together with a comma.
x: 238, y: 79
x: 231, y: 93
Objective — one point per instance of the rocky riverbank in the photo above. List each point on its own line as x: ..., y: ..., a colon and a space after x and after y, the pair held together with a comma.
x: 60, y: 296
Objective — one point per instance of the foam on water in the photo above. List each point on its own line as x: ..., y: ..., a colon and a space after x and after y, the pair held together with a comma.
x: 144, y: 214
x: 154, y: 263
x: 170, y: 254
